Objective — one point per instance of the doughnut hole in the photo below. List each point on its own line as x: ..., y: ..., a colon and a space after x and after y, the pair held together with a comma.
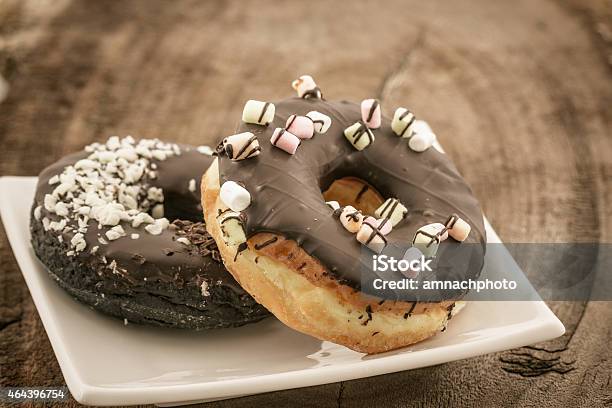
x: 355, y: 192
x: 184, y: 207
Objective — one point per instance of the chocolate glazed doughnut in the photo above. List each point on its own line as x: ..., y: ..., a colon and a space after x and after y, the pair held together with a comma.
x: 301, y: 263
x: 97, y: 225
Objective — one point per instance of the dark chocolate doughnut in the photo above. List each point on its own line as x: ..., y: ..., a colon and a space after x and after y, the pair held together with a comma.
x: 302, y: 264
x: 164, y: 273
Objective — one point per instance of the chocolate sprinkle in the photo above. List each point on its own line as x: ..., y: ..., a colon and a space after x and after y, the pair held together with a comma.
x: 368, y: 310
x: 266, y: 243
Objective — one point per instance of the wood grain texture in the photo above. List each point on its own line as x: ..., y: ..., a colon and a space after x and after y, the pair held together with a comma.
x: 518, y: 92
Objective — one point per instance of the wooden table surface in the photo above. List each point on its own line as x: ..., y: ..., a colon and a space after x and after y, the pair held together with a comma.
x: 520, y: 94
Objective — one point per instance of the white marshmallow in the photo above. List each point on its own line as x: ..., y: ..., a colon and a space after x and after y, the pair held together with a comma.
x: 306, y: 87
x: 359, y: 135
x: 351, y: 219
x: 371, y: 237
x: 241, y: 146
x: 402, y: 123
x: 420, y: 126
x: 427, y: 238
x: 321, y: 121
x: 232, y: 227
x: 257, y: 112
x: 419, y: 142
x: 393, y: 210
x: 234, y: 196
x: 458, y: 228
x: 334, y: 205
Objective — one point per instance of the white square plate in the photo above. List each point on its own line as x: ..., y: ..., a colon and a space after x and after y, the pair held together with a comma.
x: 106, y: 363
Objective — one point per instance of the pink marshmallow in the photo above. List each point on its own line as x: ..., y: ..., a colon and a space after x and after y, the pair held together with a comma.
x: 371, y: 237
x: 301, y: 126
x: 458, y: 228
x: 285, y: 140
x: 370, y: 113
x: 383, y: 224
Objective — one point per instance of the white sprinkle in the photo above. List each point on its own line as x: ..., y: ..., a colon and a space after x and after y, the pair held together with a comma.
x: 70, y: 253
x: 128, y: 154
x: 157, y: 228
x: 54, y: 180
x: 204, y: 288
x: 106, y: 157
x: 93, y: 251
x: 78, y: 242
x: 109, y: 214
x: 61, y: 209
x: 158, y: 211
x: 183, y: 241
x: 50, y: 202
x: 159, y: 154
x: 57, y: 225
x: 86, y: 164
x: 37, y: 213
x: 142, y: 218
x: 155, y: 194
x: 192, y: 185
x: 115, y: 233
x: 113, y: 143
x: 125, y: 322
x: 135, y: 236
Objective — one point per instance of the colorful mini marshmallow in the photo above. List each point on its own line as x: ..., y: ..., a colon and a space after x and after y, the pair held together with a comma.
x: 334, y: 205
x: 458, y: 228
x: 393, y: 210
x: 402, y: 122
x: 306, y: 87
x: 351, y: 219
x: 320, y: 121
x: 371, y: 236
x: 427, y: 238
x: 383, y: 224
x: 421, y: 141
x: 420, y: 126
x: 285, y: 140
x: 241, y: 146
x: 232, y: 227
x: 301, y: 126
x: 234, y: 196
x: 370, y: 113
x: 258, y: 112
x: 412, y: 254
x: 359, y: 135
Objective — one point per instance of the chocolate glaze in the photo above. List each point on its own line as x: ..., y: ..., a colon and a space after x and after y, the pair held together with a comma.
x: 286, y: 189
x: 158, y: 264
